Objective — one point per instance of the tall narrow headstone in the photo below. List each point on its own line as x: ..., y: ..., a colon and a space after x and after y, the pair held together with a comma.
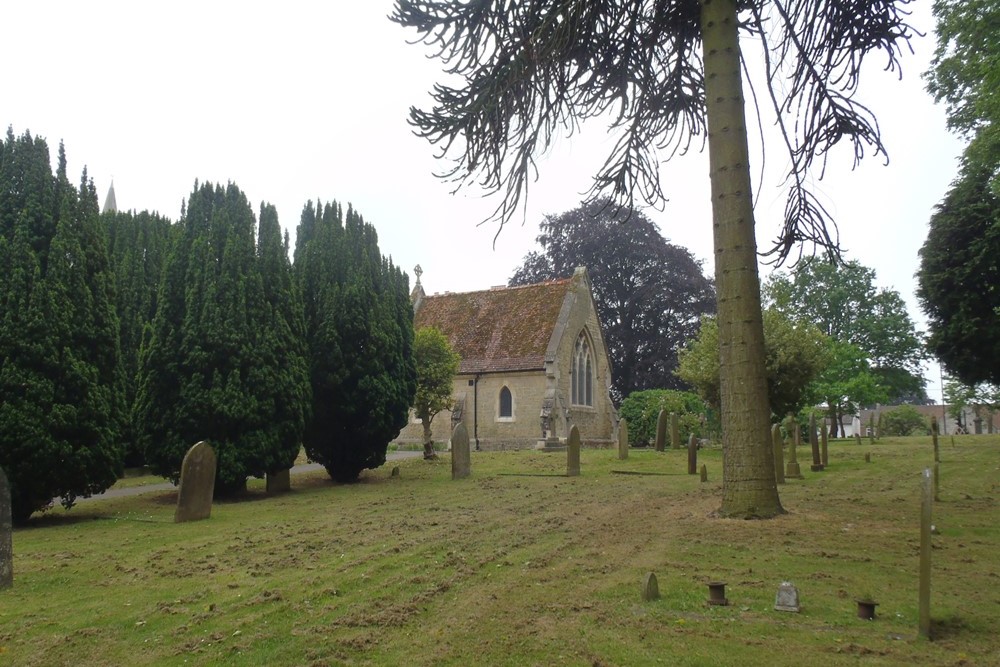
x: 824, y: 448
x: 6, y: 534
x: 934, y: 437
x: 622, y: 440
x: 926, y: 504
x: 675, y: 431
x: 573, y: 452
x: 661, y: 430
x: 793, y: 471
x: 279, y: 482
x: 692, y: 455
x: 779, y: 454
x: 817, y: 464
x: 461, y: 457
x: 194, y: 499
x: 704, y: 473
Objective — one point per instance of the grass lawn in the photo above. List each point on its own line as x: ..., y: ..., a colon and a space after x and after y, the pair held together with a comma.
x: 529, y: 568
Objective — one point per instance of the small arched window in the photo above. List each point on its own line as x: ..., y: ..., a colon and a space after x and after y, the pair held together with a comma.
x: 506, y: 403
x: 582, y: 373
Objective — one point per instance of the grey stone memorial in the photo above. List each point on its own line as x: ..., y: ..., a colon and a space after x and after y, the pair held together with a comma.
x: 661, y: 430
x: 650, y: 589
x: 817, y: 464
x: 692, y: 455
x: 6, y: 534
x: 194, y: 499
x: 461, y: 457
x: 779, y: 454
x: 787, y: 598
x: 573, y: 453
x: 926, y: 505
x: 792, y: 470
x: 279, y: 482
x: 622, y: 440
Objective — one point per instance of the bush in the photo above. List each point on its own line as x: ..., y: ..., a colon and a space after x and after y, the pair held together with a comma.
x: 904, y: 420
x: 641, y: 408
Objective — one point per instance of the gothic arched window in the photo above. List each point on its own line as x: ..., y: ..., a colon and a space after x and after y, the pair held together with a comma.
x: 506, y: 403
x: 581, y: 377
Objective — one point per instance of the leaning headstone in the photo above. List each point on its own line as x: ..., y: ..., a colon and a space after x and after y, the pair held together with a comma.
x: 787, y: 598
x: 824, y: 449
x: 817, y: 464
x: 194, y: 499
x: 461, y: 457
x: 704, y: 473
x: 661, y: 430
x: 6, y: 535
x: 779, y: 453
x: 622, y: 440
x: 675, y: 431
x: 692, y: 455
x: 793, y: 471
x: 926, y: 504
x: 279, y: 482
x: 934, y: 437
x: 573, y: 453
x: 650, y: 589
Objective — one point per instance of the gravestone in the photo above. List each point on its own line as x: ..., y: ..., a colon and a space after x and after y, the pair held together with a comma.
x: 461, y: 457
x: 787, y: 598
x: 675, y: 431
x: 817, y: 464
x: 650, y: 589
x: 573, y: 453
x: 824, y: 450
x: 692, y: 455
x: 279, y: 482
x: 194, y: 499
x: 793, y: 471
x: 934, y: 437
x: 395, y: 471
x: 622, y: 440
x: 857, y: 439
x: 6, y: 534
x: 704, y: 473
x: 661, y: 430
x: 868, y: 457
x: 779, y: 454
x: 926, y: 505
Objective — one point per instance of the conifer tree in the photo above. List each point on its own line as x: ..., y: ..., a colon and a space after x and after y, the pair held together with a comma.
x: 359, y: 329
x: 59, y: 354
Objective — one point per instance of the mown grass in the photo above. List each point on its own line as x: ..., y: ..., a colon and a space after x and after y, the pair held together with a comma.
x: 520, y: 569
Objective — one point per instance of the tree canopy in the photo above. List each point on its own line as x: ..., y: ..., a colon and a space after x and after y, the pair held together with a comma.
x: 436, y: 364
x: 650, y: 294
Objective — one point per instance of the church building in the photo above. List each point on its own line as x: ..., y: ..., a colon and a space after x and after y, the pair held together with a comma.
x: 533, y: 364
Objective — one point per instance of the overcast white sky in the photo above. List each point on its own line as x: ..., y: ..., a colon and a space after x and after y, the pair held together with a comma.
x: 307, y: 100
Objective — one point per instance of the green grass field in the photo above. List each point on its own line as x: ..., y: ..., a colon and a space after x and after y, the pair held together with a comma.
x: 520, y: 566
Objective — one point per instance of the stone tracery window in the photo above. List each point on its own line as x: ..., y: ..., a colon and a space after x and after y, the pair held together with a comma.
x: 582, y: 373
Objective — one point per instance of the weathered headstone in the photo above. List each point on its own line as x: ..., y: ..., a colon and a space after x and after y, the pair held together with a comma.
x: 194, y: 499
x: 650, y: 589
x: 824, y: 449
x: 692, y: 455
x: 6, y: 534
x: 857, y: 439
x: 792, y: 471
x: 622, y: 440
x: 279, y: 482
x: 573, y: 452
x: 675, y: 431
x: 934, y: 437
x: 461, y: 457
x: 395, y: 472
x: 787, y: 598
x: 926, y: 505
x: 817, y: 464
x: 779, y: 454
x: 661, y: 431
x: 704, y: 473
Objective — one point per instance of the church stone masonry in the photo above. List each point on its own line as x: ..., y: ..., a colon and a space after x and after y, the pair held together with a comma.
x: 533, y: 364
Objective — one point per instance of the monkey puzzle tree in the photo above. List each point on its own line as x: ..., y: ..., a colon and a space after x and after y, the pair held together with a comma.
x: 665, y: 73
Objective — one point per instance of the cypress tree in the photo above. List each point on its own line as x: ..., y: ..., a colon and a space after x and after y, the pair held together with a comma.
x: 359, y: 328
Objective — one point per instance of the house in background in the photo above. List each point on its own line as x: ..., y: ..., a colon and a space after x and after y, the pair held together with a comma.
x: 533, y: 364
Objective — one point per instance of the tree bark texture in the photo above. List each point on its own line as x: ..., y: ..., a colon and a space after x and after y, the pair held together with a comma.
x: 749, y: 487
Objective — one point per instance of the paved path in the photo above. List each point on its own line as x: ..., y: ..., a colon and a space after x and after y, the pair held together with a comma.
x: 168, y: 486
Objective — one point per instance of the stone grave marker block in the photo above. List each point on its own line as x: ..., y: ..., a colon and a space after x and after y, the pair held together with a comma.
x: 623, y: 440
x: 280, y: 481
x: 675, y: 431
x: 650, y: 589
x: 461, y: 456
x: 824, y: 449
x: 661, y: 430
x: 194, y: 499
x: 704, y: 473
x: 779, y: 453
x: 817, y: 464
x: 6, y: 534
x: 573, y: 453
x: 926, y: 505
x: 692, y: 455
x: 787, y: 598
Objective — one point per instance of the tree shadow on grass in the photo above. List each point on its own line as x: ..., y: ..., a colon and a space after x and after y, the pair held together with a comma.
x: 950, y: 627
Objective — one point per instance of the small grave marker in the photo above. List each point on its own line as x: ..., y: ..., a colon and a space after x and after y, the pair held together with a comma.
x: 650, y: 589
x: 279, y: 482
x: 6, y: 534
x: 704, y: 473
x: 573, y: 453
x: 868, y: 457
x: 779, y: 453
x: 194, y: 499
x: 622, y: 440
x: 461, y: 457
x: 787, y: 598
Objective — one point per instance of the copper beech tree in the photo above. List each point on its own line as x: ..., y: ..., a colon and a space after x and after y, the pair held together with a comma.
x: 667, y: 75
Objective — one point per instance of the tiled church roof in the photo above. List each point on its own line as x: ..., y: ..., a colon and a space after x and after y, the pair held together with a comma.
x: 502, y: 329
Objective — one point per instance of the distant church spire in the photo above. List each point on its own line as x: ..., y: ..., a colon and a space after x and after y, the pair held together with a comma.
x: 110, y: 205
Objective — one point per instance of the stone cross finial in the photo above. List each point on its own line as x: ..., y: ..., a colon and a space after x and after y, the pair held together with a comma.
x: 417, y: 271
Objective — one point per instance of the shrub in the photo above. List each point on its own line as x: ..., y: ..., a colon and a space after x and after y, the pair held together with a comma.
x: 904, y: 420
x: 641, y: 408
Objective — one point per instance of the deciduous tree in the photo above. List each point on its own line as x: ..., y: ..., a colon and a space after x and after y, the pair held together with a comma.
x: 436, y: 364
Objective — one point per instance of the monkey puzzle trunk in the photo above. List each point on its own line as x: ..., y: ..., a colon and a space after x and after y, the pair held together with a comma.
x: 749, y: 488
